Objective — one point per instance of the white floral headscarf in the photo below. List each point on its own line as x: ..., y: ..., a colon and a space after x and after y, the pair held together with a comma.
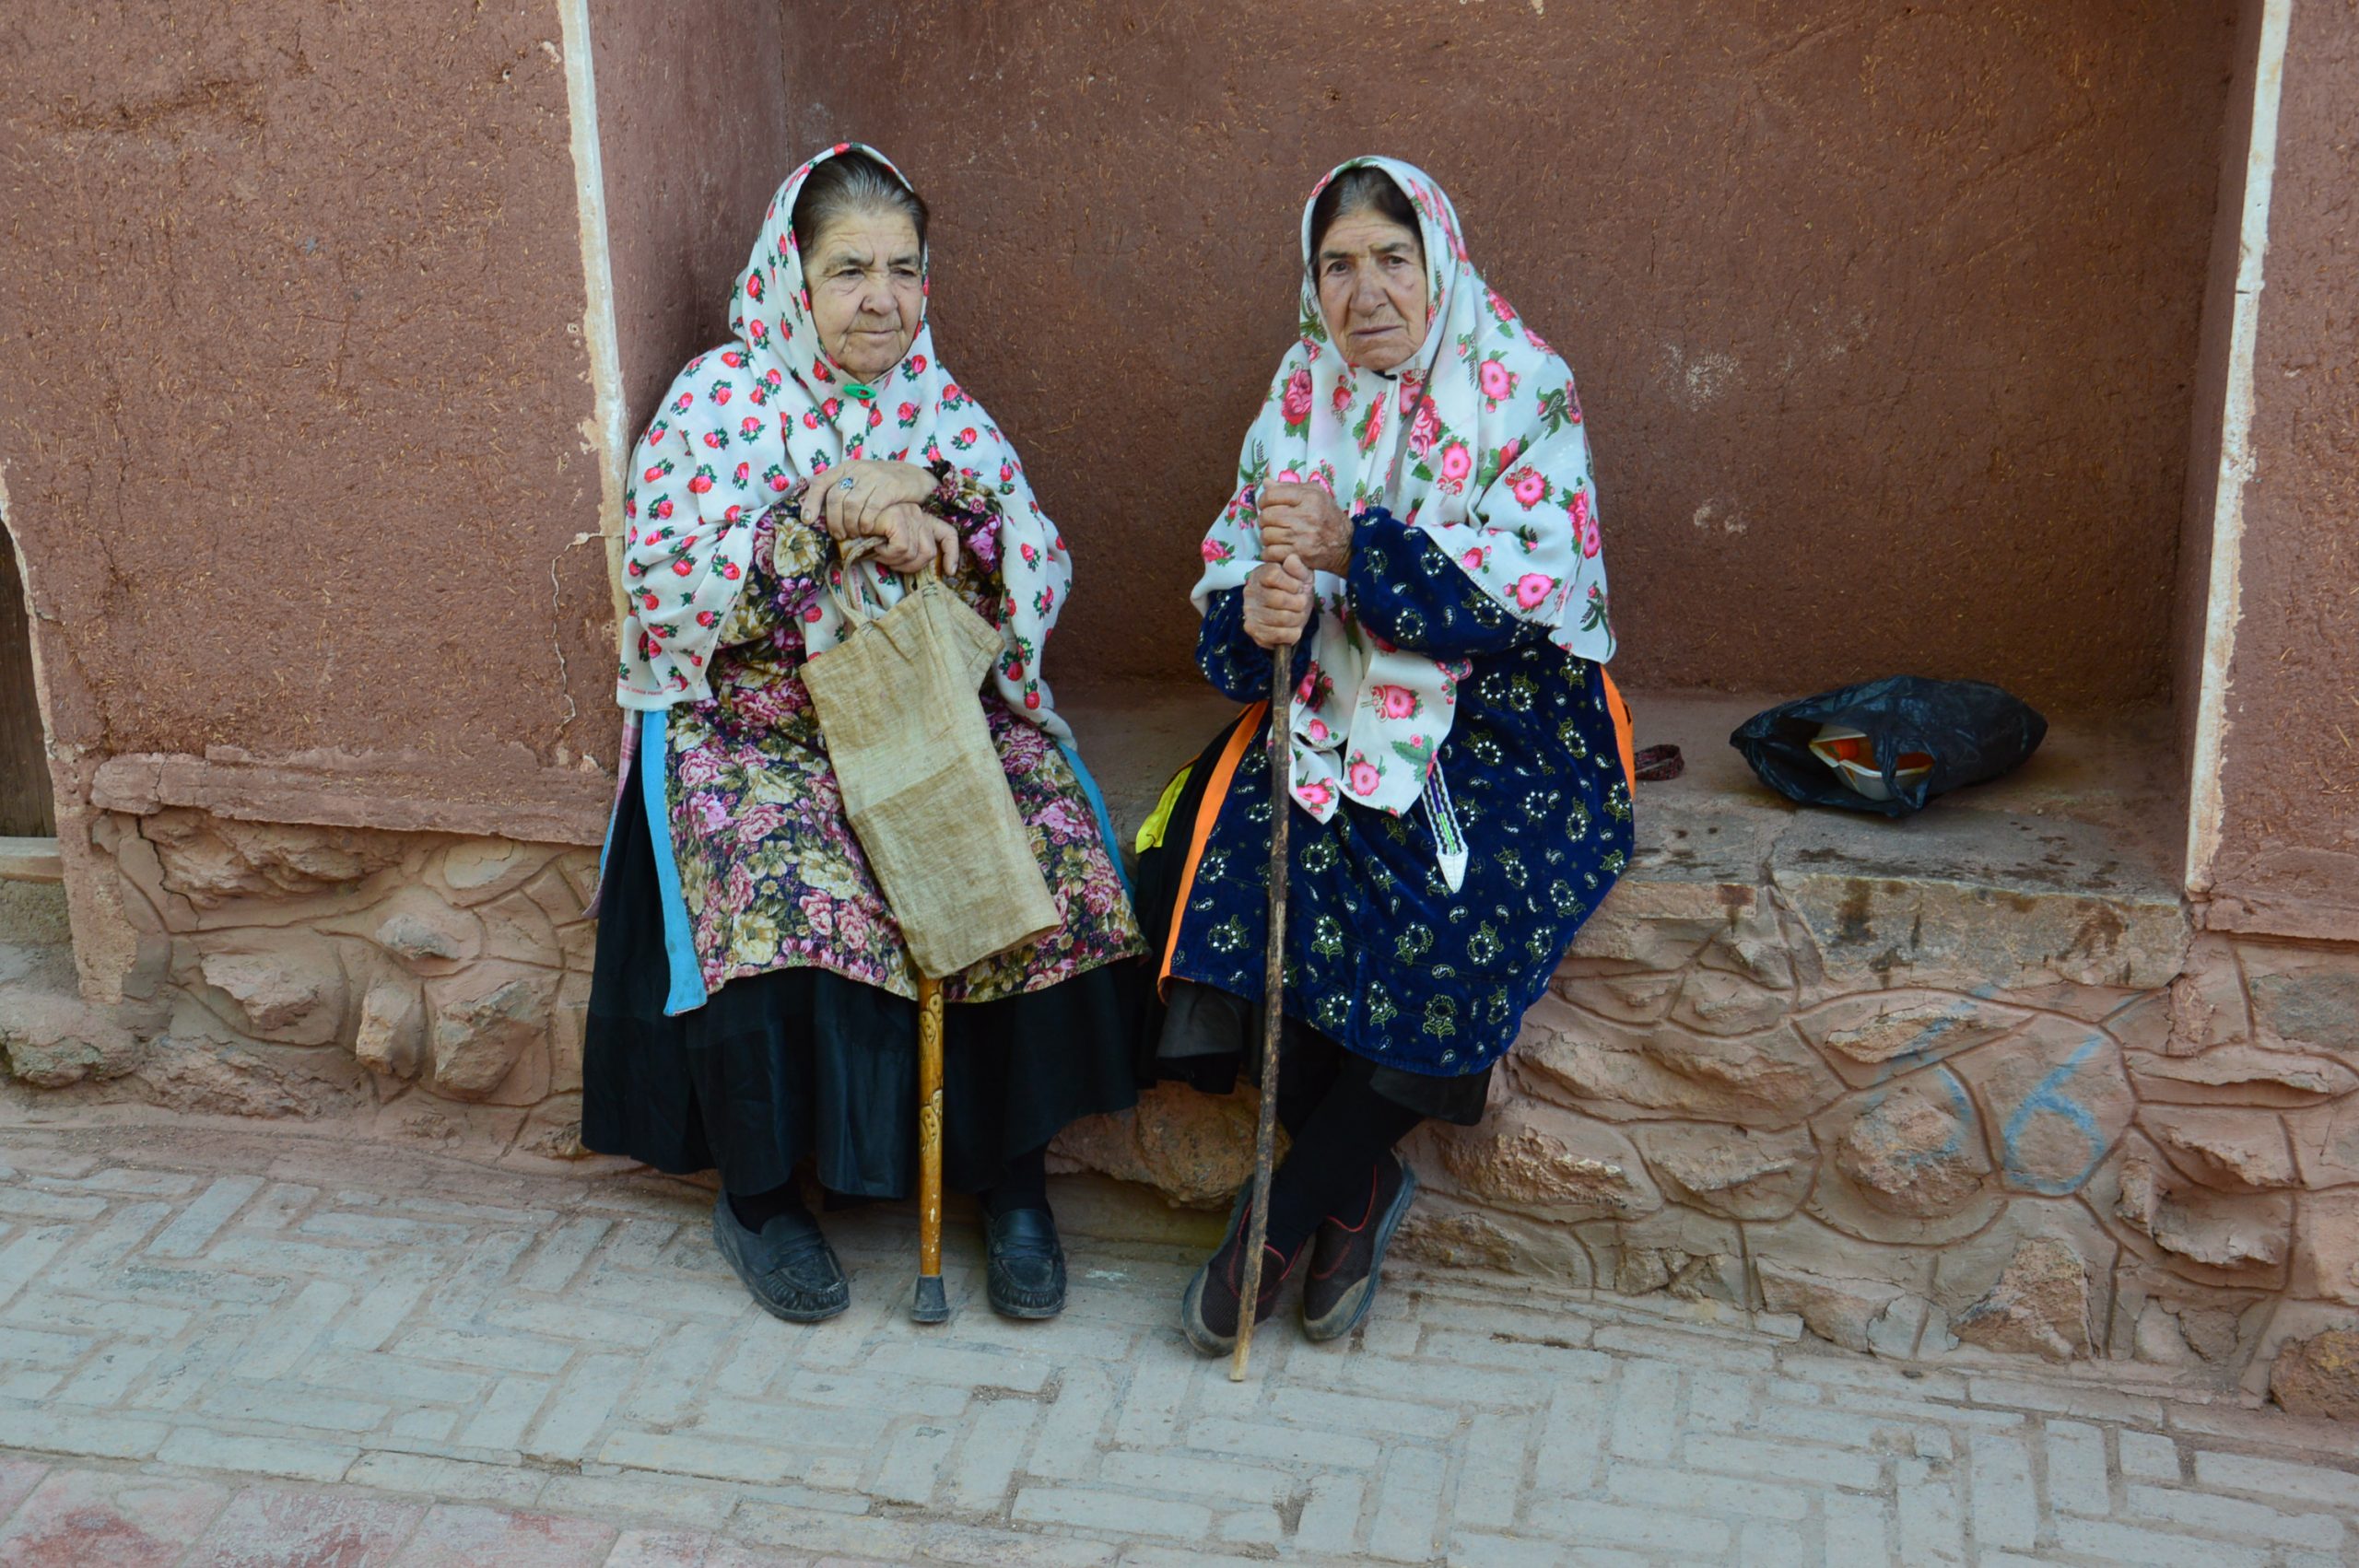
x: 1495, y: 466
x: 743, y: 422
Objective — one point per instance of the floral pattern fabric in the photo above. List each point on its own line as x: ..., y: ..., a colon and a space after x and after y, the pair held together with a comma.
x: 770, y: 870
x: 1382, y: 955
x: 1478, y: 443
x: 742, y: 425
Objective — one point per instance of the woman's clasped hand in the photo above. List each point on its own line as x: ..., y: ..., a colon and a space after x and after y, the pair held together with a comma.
x: 884, y: 500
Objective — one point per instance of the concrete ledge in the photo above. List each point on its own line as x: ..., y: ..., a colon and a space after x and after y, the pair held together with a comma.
x: 31, y: 859
x: 396, y: 794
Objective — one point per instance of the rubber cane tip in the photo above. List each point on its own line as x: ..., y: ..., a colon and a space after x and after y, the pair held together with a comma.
x: 929, y: 1305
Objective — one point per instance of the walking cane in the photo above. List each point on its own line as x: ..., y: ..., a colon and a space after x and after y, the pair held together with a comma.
x: 930, y: 1305
x: 1266, y: 1131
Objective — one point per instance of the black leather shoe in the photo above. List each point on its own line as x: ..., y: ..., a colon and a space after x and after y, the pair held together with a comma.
x: 1344, y: 1259
x: 1027, y: 1267
x: 789, y: 1267
x: 1210, y: 1309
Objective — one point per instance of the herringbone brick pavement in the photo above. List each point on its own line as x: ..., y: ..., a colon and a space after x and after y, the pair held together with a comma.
x: 210, y: 1343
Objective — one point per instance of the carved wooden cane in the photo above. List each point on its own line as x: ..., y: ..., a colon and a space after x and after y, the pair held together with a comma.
x: 1266, y: 1131
x: 929, y: 1305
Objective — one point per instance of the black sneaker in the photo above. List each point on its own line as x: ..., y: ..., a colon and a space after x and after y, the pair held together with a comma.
x: 789, y: 1267
x: 1208, y: 1311
x: 1341, y: 1284
x: 1027, y: 1267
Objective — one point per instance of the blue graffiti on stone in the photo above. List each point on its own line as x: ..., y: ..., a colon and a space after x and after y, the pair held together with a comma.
x: 2049, y: 1098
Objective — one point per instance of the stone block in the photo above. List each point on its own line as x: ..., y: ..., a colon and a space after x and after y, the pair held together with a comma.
x: 287, y: 986
x: 2057, y: 1101
x: 556, y: 896
x: 212, y: 860
x: 2143, y: 1024
x: 1442, y: 1229
x: 193, y: 1072
x: 2039, y: 1307
x: 1196, y: 1150
x: 1614, y: 991
x: 2325, y: 1255
x: 1719, y: 1001
x: 2227, y: 1239
x: 1539, y: 1160
x: 2239, y: 1076
x: 2326, y: 1143
x: 1916, y: 1150
x: 568, y: 1020
x: 52, y: 1039
x: 391, y: 1039
x: 1757, y: 951
x: 2319, y: 1376
x: 1880, y: 917
x: 1838, y: 1308
x: 2307, y: 998
x: 1873, y: 1038
x: 516, y: 928
x: 1453, y: 1236
x: 1664, y: 925
x: 1730, y: 1171
x: 479, y: 870
x: 1770, y: 1079
x: 486, y: 1018
x: 2206, y: 1005
x: 1689, y: 1256
x: 2231, y: 1147
x: 425, y: 934
x: 2157, y: 1339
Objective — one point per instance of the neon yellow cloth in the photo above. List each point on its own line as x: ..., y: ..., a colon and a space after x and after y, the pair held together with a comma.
x: 1151, y: 830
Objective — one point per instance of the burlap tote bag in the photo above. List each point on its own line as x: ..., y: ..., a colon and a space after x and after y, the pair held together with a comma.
x: 922, y: 782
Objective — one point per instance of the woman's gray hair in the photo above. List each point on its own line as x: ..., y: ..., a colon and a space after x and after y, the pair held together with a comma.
x: 848, y: 185
x: 1363, y: 188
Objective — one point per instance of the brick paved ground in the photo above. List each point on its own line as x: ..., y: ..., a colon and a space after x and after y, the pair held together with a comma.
x: 250, y: 1349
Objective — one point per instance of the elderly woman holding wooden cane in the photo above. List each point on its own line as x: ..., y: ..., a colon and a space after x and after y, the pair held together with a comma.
x: 1414, y: 521
x: 752, y: 1005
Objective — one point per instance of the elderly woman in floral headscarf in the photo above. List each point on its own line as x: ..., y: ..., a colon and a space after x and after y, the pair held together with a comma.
x: 1413, y: 517
x: 751, y: 1005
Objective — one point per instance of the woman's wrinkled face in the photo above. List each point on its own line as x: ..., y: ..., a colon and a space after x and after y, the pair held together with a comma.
x: 1371, y: 275
x: 867, y: 281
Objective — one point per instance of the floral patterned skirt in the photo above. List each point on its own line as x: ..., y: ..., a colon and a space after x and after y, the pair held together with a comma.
x: 775, y: 878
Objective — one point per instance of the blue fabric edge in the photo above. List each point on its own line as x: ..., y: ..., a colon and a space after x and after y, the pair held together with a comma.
x: 688, y: 992
x: 1098, y: 809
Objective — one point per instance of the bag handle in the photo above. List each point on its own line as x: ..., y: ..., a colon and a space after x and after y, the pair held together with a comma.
x: 852, y: 555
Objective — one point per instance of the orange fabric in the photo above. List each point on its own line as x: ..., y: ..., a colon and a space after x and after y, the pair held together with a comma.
x: 1208, y: 812
x: 1620, y: 713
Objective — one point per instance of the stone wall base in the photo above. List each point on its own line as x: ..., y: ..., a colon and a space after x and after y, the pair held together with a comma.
x: 1928, y: 1119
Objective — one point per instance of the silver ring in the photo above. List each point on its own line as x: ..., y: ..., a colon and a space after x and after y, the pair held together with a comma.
x: 846, y: 483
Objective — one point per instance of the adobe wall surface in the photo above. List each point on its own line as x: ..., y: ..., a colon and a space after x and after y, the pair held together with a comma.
x: 2288, y: 862
x: 1884, y: 315
x: 294, y: 435
x: 692, y: 123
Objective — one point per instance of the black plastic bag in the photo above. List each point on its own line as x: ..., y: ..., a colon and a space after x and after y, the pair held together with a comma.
x: 1956, y: 734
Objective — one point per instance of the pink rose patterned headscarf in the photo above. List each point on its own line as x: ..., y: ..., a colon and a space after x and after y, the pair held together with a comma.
x: 743, y: 422
x: 1478, y: 441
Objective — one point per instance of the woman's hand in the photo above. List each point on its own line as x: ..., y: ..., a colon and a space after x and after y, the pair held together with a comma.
x: 1303, y: 519
x: 1278, y: 602
x: 915, y: 539
x: 855, y: 497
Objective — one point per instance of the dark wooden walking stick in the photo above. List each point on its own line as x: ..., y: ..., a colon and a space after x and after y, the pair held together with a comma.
x: 1274, y: 975
x: 929, y: 1305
